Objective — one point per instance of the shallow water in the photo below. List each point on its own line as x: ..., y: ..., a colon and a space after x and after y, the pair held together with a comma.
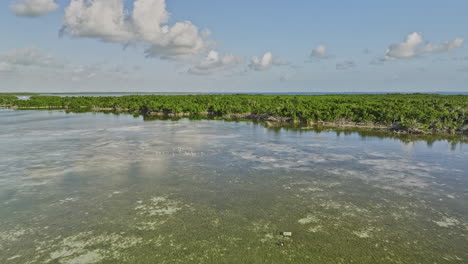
x: 103, y: 188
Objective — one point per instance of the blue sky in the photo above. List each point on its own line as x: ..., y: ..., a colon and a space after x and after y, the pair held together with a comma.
x: 366, y: 46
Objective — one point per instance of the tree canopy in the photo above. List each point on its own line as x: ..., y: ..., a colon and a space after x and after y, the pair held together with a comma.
x: 420, y: 111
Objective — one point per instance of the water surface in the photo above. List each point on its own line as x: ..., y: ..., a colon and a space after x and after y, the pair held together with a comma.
x: 103, y: 188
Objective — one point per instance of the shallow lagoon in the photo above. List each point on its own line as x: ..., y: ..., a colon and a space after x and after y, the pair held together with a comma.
x: 103, y: 188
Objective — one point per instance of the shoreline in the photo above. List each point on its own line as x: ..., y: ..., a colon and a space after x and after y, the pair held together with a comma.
x: 268, y: 120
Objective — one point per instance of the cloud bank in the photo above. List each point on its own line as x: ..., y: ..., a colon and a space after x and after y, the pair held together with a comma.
x: 33, y: 62
x: 26, y: 57
x: 33, y: 8
x: 414, y: 46
x: 146, y: 24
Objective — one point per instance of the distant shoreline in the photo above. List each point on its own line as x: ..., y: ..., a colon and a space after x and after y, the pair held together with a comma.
x: 222, y: 93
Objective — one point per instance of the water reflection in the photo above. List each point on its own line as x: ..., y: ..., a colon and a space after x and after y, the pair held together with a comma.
x: 95, y: 187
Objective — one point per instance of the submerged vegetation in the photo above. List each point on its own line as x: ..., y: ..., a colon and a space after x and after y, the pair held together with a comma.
x: 413, y: 113
x: 94, y: 188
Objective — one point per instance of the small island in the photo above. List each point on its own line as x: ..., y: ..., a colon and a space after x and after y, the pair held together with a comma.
x: 399, y: 113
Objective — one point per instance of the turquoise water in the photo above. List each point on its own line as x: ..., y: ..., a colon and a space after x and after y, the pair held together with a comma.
x: 104, y: 188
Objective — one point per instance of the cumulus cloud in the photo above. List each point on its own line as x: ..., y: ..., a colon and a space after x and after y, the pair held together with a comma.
x: 345, y: 65
x: 407, y: 48
x: 414, y: 46
x: 265, y: 62
x: 213, y: 62
x: 33, y: 8
x: 146, y: 24
x: 320, y: 52
x: 30, y: 56
x: 444, y: 47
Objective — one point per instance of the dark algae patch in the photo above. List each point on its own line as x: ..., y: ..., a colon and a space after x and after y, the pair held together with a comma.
x: 105, y: 188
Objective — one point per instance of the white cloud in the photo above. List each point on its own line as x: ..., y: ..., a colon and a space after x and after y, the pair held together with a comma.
x: 345, y: 65
x: 31, y: 62
x: 406, y: 49
x: 33, y: 8
x: 414, y: 46
x: 213, y: 62
x: 30, y: 56
x: 146, y: 24
x: 320, y: 52
x: 444, y: 47
x: 265, y: 62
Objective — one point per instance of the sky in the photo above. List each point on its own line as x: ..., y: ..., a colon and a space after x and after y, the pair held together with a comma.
x: 233, y: 46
